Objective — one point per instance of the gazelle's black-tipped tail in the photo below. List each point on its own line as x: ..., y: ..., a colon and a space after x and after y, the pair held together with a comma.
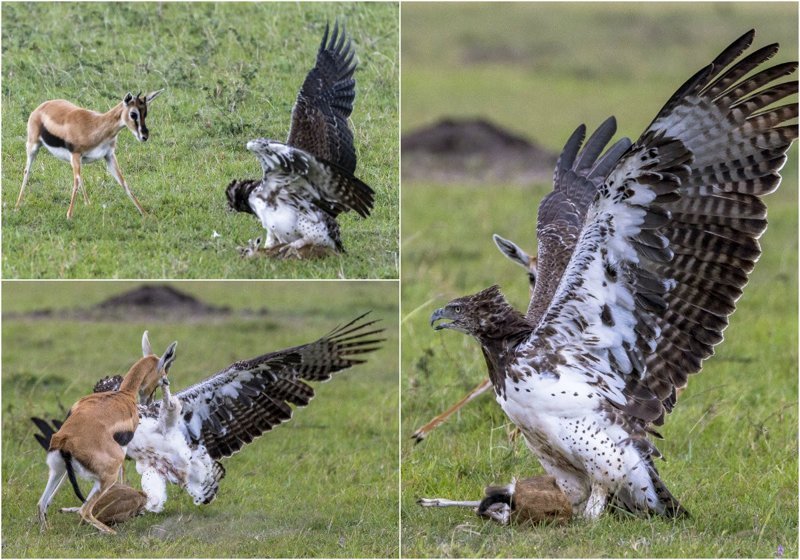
x: 47, y: 430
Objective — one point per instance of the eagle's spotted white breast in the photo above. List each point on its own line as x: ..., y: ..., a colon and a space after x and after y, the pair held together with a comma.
x: 643, y: 253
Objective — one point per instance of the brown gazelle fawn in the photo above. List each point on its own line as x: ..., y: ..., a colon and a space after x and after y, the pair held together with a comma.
x: 514, y: 252
x: 538, y: 499
x: 80, y: 136
x: 93, y: 438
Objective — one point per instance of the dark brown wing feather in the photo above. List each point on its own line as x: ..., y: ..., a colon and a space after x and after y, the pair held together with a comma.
x: 235, y: 406
x: 319, y: 116
x: 562, y: 212
x: 733, y: 143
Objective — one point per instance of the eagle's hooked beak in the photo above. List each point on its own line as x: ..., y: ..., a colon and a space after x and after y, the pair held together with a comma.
x: 440, y: 313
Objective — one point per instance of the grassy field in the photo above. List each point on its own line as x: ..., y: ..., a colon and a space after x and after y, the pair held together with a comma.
x: 324, y: 485
x: 731, y: 444
x: 231, y: 72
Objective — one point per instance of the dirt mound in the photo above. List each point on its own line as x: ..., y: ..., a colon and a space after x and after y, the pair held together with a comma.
x: 473, y: 150
x: 148, y: 302
x: 158, y: 298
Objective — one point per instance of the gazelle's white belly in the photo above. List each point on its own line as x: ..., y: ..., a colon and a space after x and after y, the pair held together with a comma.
x: 96, y: 153
x: 99, y: 152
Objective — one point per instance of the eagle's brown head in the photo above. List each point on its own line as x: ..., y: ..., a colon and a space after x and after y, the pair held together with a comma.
x: 485, y: 315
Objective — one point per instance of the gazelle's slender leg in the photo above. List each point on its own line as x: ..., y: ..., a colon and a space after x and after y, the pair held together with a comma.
x: 443, y: 502
x: 420, y: 434
x: 83, y: 191
x: 56, y: 476
x: 75, y: 160
x: 31, y: 149
x: 113, y: 168
x: 86, y: 510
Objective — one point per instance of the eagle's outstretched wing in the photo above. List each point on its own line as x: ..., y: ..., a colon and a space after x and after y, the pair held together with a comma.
x: 329, y: 186
x: 233, y: 407
x: 319, y: 116
x: 576, y: 179
x: 670, y: 239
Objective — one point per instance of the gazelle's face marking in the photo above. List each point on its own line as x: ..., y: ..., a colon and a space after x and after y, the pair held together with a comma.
x: 134, y: 113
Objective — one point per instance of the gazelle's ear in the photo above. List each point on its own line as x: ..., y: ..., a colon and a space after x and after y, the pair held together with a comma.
x: 166, y: 360
x: 128, y: 98
x: 152, y: 95
x: 512, y: 251
x: 147, y: 350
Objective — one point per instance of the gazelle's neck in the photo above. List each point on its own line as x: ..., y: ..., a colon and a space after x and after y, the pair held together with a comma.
x: 137, y: 374
x: 112, y: 119
x: 104, y: 126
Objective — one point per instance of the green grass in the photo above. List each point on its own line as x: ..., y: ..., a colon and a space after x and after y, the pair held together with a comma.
x: 731, y: 443
x: 324, y: 485
x: 231, y: 72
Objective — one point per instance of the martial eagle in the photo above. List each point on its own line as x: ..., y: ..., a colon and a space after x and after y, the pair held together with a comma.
x: 309, y: 180
x: 182, y: 438
x: 642, y: 256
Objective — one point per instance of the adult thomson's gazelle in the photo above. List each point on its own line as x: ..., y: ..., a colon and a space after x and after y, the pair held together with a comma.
x: 92, y: 440
x: 79, y: 136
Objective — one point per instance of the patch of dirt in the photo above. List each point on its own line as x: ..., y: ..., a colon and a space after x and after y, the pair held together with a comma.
x: 147, y: 302
x: 473, y: 150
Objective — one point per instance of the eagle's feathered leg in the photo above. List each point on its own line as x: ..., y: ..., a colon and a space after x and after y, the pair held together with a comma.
x: 155, y: 486
x: 270, y: 241
x: 596, y: 502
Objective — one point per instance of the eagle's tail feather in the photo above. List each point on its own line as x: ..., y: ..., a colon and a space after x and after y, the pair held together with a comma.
x: 672, y: 508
